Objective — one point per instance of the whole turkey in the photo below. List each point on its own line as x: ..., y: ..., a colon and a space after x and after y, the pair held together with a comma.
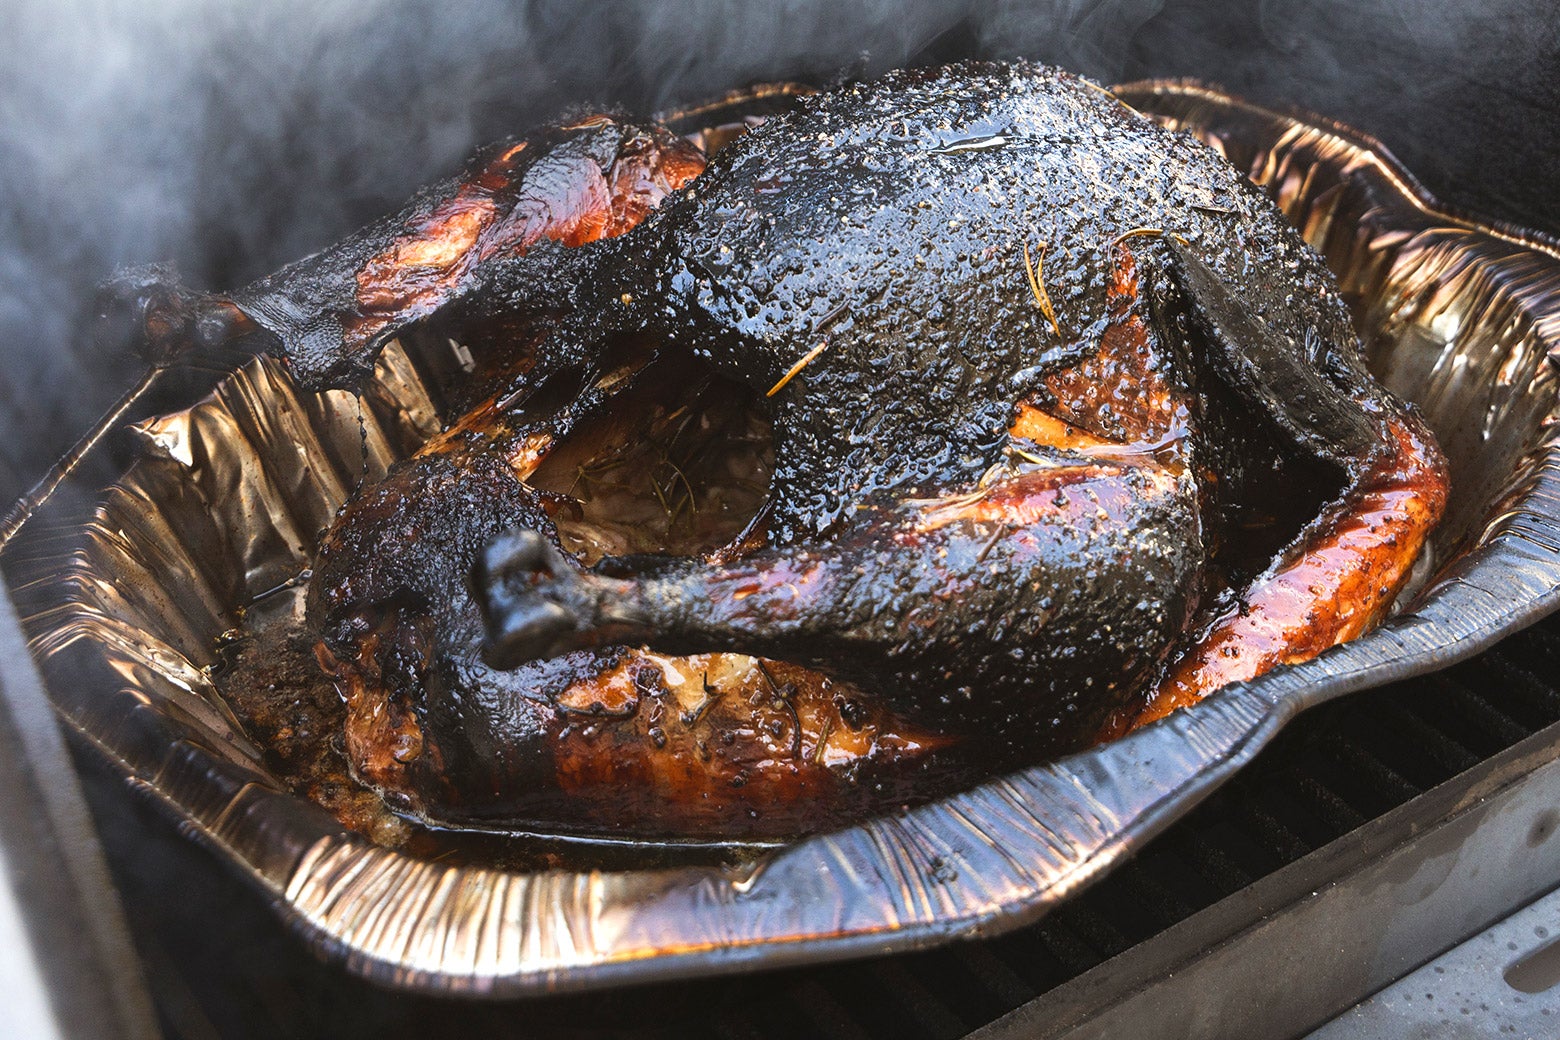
x: 1048, y: 424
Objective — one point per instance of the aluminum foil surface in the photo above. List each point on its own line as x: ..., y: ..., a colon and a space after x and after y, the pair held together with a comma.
x: 125, y: 610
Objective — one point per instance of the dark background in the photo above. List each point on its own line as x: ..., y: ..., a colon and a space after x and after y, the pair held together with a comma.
x: 232, y: 138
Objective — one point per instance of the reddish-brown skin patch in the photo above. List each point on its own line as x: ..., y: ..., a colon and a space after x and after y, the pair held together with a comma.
x: 486, y: 218
x: 716, y: 735
x: 1338, y: 582
x: 382, y: 733
x: 1120, y: 393
x: 1042, y: 428
x: 1032, y: 499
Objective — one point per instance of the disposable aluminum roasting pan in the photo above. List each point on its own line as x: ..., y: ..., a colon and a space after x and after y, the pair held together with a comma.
x: 124, y: 612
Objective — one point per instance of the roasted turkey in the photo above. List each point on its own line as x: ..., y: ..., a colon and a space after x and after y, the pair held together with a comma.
x: 983, y: 418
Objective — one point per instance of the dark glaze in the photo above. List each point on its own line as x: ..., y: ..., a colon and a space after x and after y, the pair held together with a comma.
x: 1066, y: 572
x: 1064, y: 414
x: 863, y: 259
x: 890, y: 220
x: 1337, y: 583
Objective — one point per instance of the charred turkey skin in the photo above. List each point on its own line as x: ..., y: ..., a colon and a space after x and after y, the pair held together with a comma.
x: 1069, y: 428
x: 908, y: 266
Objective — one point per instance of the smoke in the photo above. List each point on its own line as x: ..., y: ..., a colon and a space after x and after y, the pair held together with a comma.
x: 234, y: 137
